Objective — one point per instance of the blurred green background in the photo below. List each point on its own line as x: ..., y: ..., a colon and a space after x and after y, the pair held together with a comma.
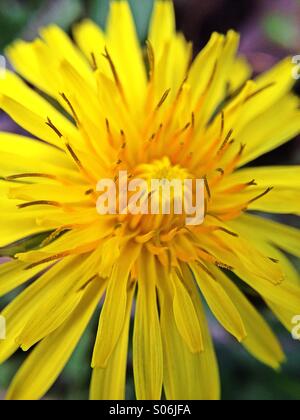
x: 270, y: 30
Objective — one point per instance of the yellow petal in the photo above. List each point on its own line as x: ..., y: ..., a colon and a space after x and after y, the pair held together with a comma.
x: 285, y: 295
x: 24, y: 58
x: 49, y: 192
x: 260, y: 341
x: 13, y: 274
x: 185, y: 316
x: 126, y: 52
x: 90, y: 39
x: 61, y: 44
x: 114, y: 308
x: 44, y: 294
x: 285, y: 181
x: 187, y: 375
x: 204, y: 63
x: 109, y: 383
x: 220, y: 303
x: 252, y: 226
x: 280, y: 75
x: 14, y: 88
x: 217, y: 90
x: 258, y: 271
x: 41, y: 325
x: 75, y: 241
x: 110, y: 254
x: 30, y: 121
x: 272, y: 128
x: 163, y: 25
x: 283, y: 236
x: 271, y: 87
x: 241, y: 72
x: 243, y: 253
x: 147, y: 345
x: 47, y: 360
x: 16, y: 225
x: 276, y: 176
x: 24, y: 147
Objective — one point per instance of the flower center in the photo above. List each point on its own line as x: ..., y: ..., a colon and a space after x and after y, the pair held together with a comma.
x: 161, y: 197
x: 162, y: 169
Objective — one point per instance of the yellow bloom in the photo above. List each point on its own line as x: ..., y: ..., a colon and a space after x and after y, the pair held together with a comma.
x: 115, y: 106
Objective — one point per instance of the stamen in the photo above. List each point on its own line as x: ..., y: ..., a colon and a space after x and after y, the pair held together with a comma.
x: 114, y: 72
x: 242, y: 148
x: 39, y: 203
x: 205, y: 207
x: 207, y: 187
x: 193, y: 120
x: 152, y: 137
x: 84, y: 286
x: 52, y: 126
x: 180, y: 90
x: 151, y: 58
x: 225, y: 142
x: 31, y: 175
x: 261, y: 195
x: 167, y: 237
x: 118, y: 226
x: 163, y: 99
x: 109, y: 133
x: 190, y: 59
x: 221, y: 171
x: 211, y: 79
x: 179, y: 133
x: 54, y: 235
x: 123, y: 145
x: 252, y: 183
x: 107, y: 126
x: 206, y: 270
x: 89, y: 192
x: 68, y: 102
x: 240, y: 187
x: 222, y: 124
x: 203, y: 96
x: 186, y: 127
x: 142, y: 239
x: 229, y: 232
x: 252, y: 95
x: 74, y: 156
x: 80, y: 250
x: 225, y: 266
x: 94, y: 62
x: 48, y: 259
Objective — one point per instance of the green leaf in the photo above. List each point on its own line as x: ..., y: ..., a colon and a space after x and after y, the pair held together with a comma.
x: 142, y: 10
x: 281, y: 29
x: 27, y: 244
x: 98, y: 11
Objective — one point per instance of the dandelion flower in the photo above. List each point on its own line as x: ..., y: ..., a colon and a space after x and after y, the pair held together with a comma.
x: 102, y: 104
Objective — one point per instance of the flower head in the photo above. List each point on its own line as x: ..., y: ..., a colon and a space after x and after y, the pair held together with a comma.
x: 102, y: 105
